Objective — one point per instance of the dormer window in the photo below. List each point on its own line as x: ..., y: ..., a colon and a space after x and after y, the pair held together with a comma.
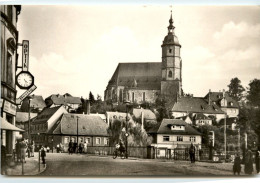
x: 178, y: 127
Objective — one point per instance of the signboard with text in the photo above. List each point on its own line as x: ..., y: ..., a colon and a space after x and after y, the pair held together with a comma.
x: 25, y: 58
x: 9, y: 107
x: 25, y: 94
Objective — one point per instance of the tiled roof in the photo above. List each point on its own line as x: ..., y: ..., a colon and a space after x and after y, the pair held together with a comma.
x: 103, y: 116
x: 201, y: 116
x: 165, y: 128
x: 217, y: 96
x: 87, y: 125
x: 36, y: 102
x: 143, y: 75
x: 61, y: 100
x: 45, y: 114
x: 23, y: 116
x: 148, y: 114
x: 195, y: 104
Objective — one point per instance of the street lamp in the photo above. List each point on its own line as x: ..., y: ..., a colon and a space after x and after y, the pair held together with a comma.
x: 29, y: 118
x: 126, y: 127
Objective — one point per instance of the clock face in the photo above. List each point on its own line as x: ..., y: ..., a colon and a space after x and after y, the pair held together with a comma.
x: 24, y: 80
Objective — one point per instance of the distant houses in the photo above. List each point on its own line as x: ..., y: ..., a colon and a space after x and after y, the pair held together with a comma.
x: 37, y: 104
x: 174, y: 133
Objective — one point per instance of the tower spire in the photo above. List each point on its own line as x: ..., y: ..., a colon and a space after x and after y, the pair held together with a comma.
x: 170, y: 27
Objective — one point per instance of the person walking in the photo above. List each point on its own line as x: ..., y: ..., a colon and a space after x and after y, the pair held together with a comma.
x: 81, y: 147
x: 23, y: 147
x: 18, y: 151
x: 32, y: 148
x: 70, y: 147
x: 248, y: 162
x: 237, y: 164
x: 257, y: 160
x: 43, y: 155
x: 192, y: 153
x: 85, y: 148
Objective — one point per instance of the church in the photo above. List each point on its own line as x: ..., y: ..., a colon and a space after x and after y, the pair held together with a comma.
x: 143, y: 82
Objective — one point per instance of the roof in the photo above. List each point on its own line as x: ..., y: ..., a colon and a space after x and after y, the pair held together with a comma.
x: 165, y: 128
x: 218, y: 96
x: 148, y: 114
x: 23, y: 116
x: 201, y: 116
x: 103, y: 116
x: 64, y: 100
x: 141, y: 75
x: 36, y: 102
x: 8, y: 126
x: 195, y: 104
x: 46, y: 114
x: 87, y: 125
x: 117, y: 115
x: 229, y: 121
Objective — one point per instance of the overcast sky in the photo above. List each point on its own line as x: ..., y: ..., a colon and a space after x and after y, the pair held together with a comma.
x: 76, y: 49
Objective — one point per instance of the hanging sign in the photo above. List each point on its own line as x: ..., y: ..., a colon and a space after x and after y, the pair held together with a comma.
x: 25, y: 66
x: 9, y: 107
x: 25, y: 94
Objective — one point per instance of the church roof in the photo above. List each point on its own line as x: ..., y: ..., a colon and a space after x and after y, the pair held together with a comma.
x: 141, y: 75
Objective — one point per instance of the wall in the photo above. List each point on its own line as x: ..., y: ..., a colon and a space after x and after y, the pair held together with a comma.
x: 231, y: 112
x: 150, y: 95
x: 56, y: 116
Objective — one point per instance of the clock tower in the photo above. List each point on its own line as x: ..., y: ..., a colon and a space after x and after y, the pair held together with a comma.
x: 171, y: 83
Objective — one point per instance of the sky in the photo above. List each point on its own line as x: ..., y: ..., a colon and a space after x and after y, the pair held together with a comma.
x: 76, y: 49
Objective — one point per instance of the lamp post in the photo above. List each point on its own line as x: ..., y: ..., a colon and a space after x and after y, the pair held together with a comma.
x: 126, y: 128
x: 77, y: 130
x: 225, y: 135
x: 29, y: 118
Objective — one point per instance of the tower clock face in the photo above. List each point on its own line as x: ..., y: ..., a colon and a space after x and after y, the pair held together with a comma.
x: 24, y: 80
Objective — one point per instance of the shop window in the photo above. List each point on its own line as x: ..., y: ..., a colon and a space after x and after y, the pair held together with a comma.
x: 166, y: 138
x: 98, y: 141
x: 179, y: 138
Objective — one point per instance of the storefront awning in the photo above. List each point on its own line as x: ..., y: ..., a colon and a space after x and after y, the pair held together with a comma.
x: 8, y: 126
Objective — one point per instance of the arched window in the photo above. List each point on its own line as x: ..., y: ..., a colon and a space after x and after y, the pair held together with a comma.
x: 170, y: 74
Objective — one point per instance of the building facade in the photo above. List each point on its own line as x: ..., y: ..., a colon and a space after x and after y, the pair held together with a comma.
x: 143, y: 82
x: 9, y: 57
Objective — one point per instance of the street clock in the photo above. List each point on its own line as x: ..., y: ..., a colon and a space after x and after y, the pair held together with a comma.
x: 24, y: 80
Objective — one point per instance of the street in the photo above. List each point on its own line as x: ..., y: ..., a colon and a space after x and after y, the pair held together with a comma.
x: 62, y: 164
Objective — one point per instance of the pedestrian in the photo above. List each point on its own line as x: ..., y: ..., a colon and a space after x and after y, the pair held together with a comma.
x: 23, y: 147
x: 81, y: 147
x: 58, y: 148
x: 248, y: 162
x: 18, y: 150
x: 122, y: 147
x: 75, y: 147
x: 70, y: 147
x: 257, y: 160
x: 3, y: 159
x: 28, y: 148
x: 192, y: 150
x: 32, y: 148
x: 85, y: 148
x: 237, y: 164
x: 43, y: 154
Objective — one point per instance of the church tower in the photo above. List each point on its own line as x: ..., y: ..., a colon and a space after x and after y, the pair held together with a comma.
x: 171, y: 83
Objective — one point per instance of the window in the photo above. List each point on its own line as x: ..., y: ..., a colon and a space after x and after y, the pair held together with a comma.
x: 170, y: 74
x: 98, y: 140
x: 9, y: 73
x: 88, y: 140
x: 143, y: 96
x: 170, y: 50
x: 66, y: 140
x: 179, y: 138
x: 133, y: 96
x: 193, y: 139
x: 166, y: 138
x: 106, y: 141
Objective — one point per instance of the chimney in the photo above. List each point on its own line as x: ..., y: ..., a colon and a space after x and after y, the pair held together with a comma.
x: 209, y: 96
x: 88, y: 107
x: 223, y: 93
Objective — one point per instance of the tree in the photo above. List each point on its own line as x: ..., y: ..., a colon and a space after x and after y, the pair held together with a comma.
x: 254, y: 93
x: 160, y: 105
x: 236, y: 89
x: 91, y: 98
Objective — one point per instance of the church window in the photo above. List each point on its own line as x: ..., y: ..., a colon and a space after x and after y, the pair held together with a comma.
x: 143, y: 96
x: 133, y: 96
x: 170, y: 74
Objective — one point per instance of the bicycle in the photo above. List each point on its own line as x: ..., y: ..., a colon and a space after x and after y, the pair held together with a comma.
x: 118, y: 152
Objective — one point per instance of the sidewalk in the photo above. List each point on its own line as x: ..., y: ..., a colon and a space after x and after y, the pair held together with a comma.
x: 31, y: 167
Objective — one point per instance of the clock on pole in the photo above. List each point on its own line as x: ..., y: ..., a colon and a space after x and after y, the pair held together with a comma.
x: 24, y: 80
